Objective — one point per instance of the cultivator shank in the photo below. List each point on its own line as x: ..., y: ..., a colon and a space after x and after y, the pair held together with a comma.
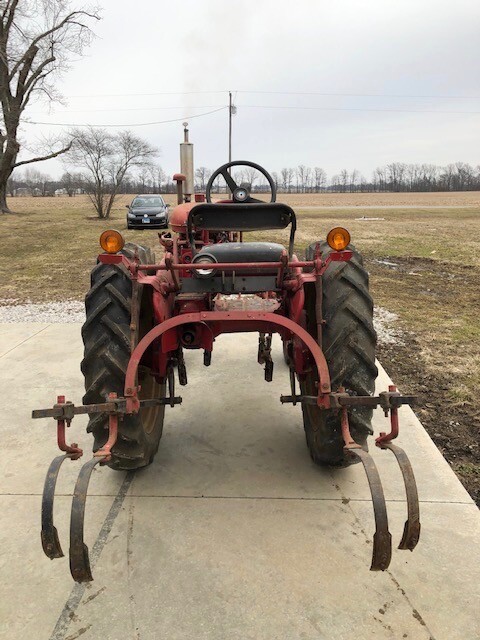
x: 64, y: 412
x: 389, y: 401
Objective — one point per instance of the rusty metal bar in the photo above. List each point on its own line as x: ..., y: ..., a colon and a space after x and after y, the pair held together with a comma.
x: 270, y: 319
x: 224, y: 266
x: 382, y: 539
x: 79, y: 559
x: 49, y: 535
x: 170, y: 267
x: 411, y: 530
x: 118, y: 406
x: 281, y: 268
x: 338, y: 400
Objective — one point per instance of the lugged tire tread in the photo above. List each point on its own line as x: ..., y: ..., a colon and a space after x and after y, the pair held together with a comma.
x: 349, y: 341
x: 106, y: 337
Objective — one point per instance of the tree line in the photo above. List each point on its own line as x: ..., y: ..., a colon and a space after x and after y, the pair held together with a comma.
x: 152, y: 178
x: 394, y: 177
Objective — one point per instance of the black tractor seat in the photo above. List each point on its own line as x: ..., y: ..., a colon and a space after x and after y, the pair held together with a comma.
x: 258, y: 216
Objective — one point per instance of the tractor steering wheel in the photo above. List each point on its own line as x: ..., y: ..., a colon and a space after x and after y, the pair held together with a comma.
x: 240, y: 193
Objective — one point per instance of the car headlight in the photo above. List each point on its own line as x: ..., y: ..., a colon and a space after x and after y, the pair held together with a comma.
x: 160, y: 215
x: 130, y: 215
x: 207, y: 259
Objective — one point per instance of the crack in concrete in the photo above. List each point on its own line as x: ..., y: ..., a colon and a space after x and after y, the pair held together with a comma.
x: 78, y: 589
x: 131, y: 599
x: 23, y: 341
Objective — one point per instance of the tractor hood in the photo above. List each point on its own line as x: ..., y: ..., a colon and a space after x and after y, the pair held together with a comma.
x: 178, y: 217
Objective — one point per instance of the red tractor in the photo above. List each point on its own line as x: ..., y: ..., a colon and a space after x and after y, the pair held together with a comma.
x: 141, y: 315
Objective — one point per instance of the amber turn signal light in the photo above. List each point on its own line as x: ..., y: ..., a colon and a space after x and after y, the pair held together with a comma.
x: 111, y: 241
x: 338, y: 238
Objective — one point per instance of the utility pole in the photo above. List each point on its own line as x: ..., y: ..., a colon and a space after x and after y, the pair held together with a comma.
x: 230, y: 113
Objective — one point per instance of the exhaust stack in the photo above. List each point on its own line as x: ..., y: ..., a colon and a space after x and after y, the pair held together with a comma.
x: 186, y: 165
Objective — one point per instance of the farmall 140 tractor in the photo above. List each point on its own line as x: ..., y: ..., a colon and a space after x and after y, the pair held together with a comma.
x: 141, y: 314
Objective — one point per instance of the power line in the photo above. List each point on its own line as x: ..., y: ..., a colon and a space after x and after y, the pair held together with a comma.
x: 254, y: 106
x: 259, y: 106
x: 202, y: 106
x: 134, y: 95
x: 292, y: 93
x: 251, y: 106
x: 359, y: 95
x: 137, y: 124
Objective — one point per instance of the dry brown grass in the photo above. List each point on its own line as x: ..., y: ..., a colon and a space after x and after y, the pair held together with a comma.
x: 49, y: 246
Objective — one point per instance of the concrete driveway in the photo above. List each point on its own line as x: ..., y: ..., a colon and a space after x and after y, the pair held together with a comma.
x: 232, y: 533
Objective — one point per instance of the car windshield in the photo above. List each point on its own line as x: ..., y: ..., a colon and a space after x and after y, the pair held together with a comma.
x: 140, y: 203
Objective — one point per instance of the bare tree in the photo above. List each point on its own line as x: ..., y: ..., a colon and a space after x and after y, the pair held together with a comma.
x: 380, y: 179
x: 37, y: 39
x: 71, y: 182
x: 447, y: 177
x: 308, y: 179
x: 202, y: 174
x: 301, y: 175
x: 158, y: 177
x: 465, y: 175
x: 239, y: 176
x: 106, y: 159
x: 250, y: 176
x: 287, y: 177
x: 36, y: 181
x: 354, y: 176
x: 144, y: 178
x: 276, y: 179
x: 344, y: 179
x: 320, y: 178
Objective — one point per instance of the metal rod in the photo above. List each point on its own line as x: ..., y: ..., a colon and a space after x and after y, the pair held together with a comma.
x: 225, y: 266
x: 411, y: 530
x: 382, y: 539
x: 119, y: 406
x: 79, y: 559
x: 50, y: 541
x: 230, y: 126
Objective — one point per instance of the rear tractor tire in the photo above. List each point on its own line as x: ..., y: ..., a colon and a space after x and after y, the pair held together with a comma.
x: 348, y: 342
x: 106, y: 338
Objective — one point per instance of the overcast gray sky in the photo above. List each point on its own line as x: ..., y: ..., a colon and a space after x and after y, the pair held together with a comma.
x: 377, y: 49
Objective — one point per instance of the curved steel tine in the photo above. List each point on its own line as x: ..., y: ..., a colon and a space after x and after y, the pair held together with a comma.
x: 50, y: 541
x: 79, y: 560
x: 411, y: 530
x: 382, y: 539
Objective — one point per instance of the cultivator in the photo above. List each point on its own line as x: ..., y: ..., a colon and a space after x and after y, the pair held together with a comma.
x: 211, y: 282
